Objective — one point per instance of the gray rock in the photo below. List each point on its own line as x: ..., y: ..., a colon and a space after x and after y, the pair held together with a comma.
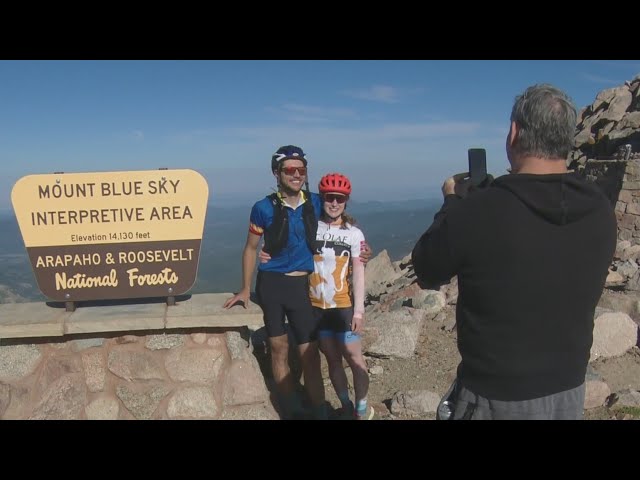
x: 628, y: 268
x: 84, y: 343
x: 414, y: 401
x: 239, y: 348
x: 244, y: 384
x: 18, y: 361
x: 164, y: 341
x: 132, y: 365
x: 95, y: 371
x: 143, y: 400
x: 596, y: 394
x: 393, y: 334
x: 449, y: 323
x: 193, y: 402
x: 103, y: 408
x: 626, y: 398
x: 613, y: 335
x: 54, y: 368
x: 64, y: 400
x: 430, y: 301
x: 380, y: 272
x: 200, y: 366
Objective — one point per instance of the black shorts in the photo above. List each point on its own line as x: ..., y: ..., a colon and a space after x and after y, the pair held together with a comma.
x: 280, y: 295
x: 336, y: 323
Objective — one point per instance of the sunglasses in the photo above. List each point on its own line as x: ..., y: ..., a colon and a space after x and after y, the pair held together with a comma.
x: 291, y: 171
x: 330, y: 197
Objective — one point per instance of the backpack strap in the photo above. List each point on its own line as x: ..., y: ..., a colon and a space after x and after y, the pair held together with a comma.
x: 276, y: 235
x: 310, y: 222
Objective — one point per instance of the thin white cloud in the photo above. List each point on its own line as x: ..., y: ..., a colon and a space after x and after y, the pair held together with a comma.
x: 319, y: 111
x: 402, y: 131
x: 298, y: 113
x: 364, y: 136
x: 376, y: 93
x: 598, y: 79
x: 236, y: 144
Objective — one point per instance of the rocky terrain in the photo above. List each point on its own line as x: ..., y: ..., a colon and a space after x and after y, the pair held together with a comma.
x: 412, y: 364
x: 607, y: 151
x: 411, y: 352
x: 410, y: 336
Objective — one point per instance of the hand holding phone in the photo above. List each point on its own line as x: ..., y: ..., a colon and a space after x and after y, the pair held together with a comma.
x: 477, y: 165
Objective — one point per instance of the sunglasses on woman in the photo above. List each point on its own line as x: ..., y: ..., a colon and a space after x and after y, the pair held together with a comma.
x: 330, y: 197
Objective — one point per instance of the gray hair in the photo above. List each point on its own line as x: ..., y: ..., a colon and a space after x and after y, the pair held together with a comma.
x: 546, y: 119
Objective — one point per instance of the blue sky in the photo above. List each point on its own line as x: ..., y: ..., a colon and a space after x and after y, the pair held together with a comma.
x: 396, y: 128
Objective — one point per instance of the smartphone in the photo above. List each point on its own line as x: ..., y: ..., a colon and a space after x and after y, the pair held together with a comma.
x: 477, y: 165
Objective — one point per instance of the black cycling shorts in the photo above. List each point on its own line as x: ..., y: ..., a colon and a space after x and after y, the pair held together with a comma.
x: 336, y: 323
x: 281, y: 295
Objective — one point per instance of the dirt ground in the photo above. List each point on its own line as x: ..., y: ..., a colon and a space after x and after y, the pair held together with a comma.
x: 434, y: 365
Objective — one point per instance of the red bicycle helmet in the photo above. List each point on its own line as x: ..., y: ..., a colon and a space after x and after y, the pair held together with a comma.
x: 335, y: 183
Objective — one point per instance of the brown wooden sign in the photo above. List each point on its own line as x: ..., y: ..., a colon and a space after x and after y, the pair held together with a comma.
x: 112, y: 235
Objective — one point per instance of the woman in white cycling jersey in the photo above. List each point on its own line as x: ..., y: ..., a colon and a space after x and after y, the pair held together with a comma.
x: 337, y: 295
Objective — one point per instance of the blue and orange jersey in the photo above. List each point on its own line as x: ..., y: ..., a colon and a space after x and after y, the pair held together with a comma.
x: 296, y: 256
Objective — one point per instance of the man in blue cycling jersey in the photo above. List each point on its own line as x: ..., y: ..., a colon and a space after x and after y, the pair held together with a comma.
x: 288, y: 221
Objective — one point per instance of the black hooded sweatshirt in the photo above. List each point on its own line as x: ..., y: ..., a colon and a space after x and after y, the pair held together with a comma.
x: 531, y: 253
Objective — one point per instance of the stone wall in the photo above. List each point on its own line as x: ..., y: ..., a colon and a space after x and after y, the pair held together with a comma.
x: 620, y: 180
x: 607, y: 152
x: 628, y: 203
x: 201, y: 374
x: 610, y: 123
x: 193, y: 360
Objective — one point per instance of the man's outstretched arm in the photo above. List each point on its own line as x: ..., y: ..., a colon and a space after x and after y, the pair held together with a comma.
x: 248, y: 265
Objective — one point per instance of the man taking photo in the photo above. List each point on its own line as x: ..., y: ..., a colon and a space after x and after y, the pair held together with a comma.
x: 531, y: 252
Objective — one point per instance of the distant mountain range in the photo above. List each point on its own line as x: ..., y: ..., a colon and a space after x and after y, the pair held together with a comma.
x: 391, y: 226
